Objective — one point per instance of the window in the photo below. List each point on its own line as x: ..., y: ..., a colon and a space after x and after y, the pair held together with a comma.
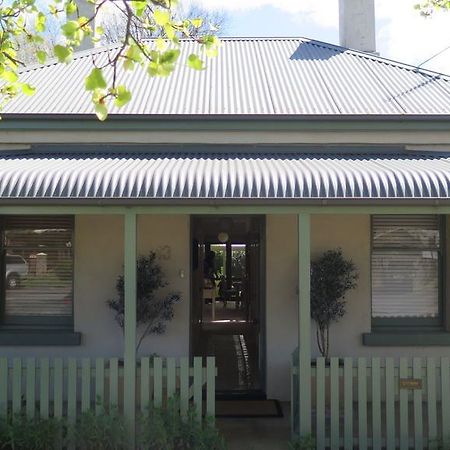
x: 406, y: 267
x: 37, y: 272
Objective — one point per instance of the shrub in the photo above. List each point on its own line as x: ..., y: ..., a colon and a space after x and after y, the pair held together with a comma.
x: 105, y: 431
x: 306, y: 442
x: 164, y: 429
x: 153, y: 310
x: 20, y: 432
x: 331, y: 277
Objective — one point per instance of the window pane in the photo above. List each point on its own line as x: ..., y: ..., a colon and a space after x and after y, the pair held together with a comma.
x: 38, y: 270
x: 417, y: 232
x: 405, y: 284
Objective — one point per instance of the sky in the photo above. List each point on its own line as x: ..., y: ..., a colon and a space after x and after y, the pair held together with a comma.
x: 402, y: 34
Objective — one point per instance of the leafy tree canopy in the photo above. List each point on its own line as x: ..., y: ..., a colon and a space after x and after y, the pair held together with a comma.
x: 428, y: 7
x: 29, y: 20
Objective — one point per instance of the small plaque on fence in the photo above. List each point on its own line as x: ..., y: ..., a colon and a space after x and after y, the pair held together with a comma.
x: 410, y: 383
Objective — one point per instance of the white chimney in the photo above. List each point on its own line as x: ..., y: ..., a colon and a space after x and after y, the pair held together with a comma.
x: 357, y: 25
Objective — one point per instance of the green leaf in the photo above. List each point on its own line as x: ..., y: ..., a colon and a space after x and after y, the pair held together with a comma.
x: 170, y: 31
x: 28, y: 89
x: 101, y: 111
x: 170, y: 56
x: 41, y: 20
x: 71, y: 8
x: 194, y: 62
x: 161, y: 17
x: 197, y: 23
x: 10, y: 77
x: 95, y: 80
x: 70, y: 28
x: 139, y: 7
x: 123, y: 96
x: 41, y: 56
x: 128, y: 64
x: 64, y: 54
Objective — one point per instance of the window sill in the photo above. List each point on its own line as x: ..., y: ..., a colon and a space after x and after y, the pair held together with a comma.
x: 36, y: 338
x: 418, y: 338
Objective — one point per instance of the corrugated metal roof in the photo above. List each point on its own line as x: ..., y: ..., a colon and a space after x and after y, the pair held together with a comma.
x: 274, y: 76
x: 259, y: 174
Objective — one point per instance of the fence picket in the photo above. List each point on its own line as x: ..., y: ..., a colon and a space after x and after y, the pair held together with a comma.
x: 4, y: 380
x: 113, y: 383
x: 348, y: 403
x: 99, y: 385
x: 72, y: 368
x: 334, y: 403
x: 445, y: 389
x: 404, y: 407
x: 362, y: 403
x: 30, y: 393
x: 417, y: 397
x: 17, y: 386
x: 431, y: 403
x: 198, y: 386
x: 184, y: 386
x: 320, y: 403
x: 145, y: 384
x: 44, y: 384
x: 58, y: 371
x: 390, y: 404
x: 157, y: 382
x: 56, y: 388
x: 210, y: 387
x: 376, y: 404
x: 85, y: 384
x: 171, y: 377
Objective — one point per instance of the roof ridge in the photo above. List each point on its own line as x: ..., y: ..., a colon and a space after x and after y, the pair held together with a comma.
x: 338, y: 48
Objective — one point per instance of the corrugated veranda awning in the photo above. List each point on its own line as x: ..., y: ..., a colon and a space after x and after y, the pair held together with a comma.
x: 260, y: 173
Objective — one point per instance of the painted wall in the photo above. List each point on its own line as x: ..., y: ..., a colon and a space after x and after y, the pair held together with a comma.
x: 99, y: 259
x: 98, y: 262
x: 352, y: 234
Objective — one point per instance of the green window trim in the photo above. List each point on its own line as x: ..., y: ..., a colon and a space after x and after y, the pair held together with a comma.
x: 39, y: 338
x: 418, y: 338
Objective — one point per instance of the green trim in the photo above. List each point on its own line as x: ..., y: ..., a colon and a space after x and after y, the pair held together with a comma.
x: 417, y: 338
x: 319, y: 123
x: 210, y: 207
x: 304, y: 323
x: 37, y: 338
x: 129, y: 380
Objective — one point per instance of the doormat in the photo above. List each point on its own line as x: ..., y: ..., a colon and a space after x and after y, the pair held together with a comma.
x: 248, y: 408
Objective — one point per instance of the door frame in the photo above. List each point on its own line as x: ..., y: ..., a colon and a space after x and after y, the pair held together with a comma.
x: 262, y: 288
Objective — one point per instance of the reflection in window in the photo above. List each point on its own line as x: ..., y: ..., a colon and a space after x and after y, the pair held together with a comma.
x: 38, y: 271
x: 405, y: 266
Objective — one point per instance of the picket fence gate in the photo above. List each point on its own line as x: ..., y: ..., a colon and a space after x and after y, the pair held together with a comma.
x: 377, y: 403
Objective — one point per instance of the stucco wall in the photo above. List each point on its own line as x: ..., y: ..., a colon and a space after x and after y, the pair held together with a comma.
x: 352, y: 234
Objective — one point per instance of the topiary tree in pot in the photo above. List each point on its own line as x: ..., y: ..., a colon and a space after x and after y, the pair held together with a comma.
x: 153, y: 308
x: 332, y: 276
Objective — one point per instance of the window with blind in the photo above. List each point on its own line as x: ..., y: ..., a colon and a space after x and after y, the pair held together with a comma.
x: 406, y: 261
x: 37, y: 272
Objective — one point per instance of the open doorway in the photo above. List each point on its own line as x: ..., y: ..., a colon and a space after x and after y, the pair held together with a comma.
x: 227, y: 300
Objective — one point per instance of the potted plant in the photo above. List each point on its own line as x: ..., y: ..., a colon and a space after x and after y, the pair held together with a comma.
x: 153, y: 308
x: 332, y: 276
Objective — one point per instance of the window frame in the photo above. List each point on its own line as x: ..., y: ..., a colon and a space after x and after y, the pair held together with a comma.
x: 30, y: 324
x: 431, y: 324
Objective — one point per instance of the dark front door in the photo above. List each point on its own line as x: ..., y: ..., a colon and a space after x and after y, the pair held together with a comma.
x: 227, y: 300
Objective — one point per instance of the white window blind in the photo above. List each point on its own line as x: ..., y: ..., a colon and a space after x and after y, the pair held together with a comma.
x: 405, y: 266
x: 38, y: 270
